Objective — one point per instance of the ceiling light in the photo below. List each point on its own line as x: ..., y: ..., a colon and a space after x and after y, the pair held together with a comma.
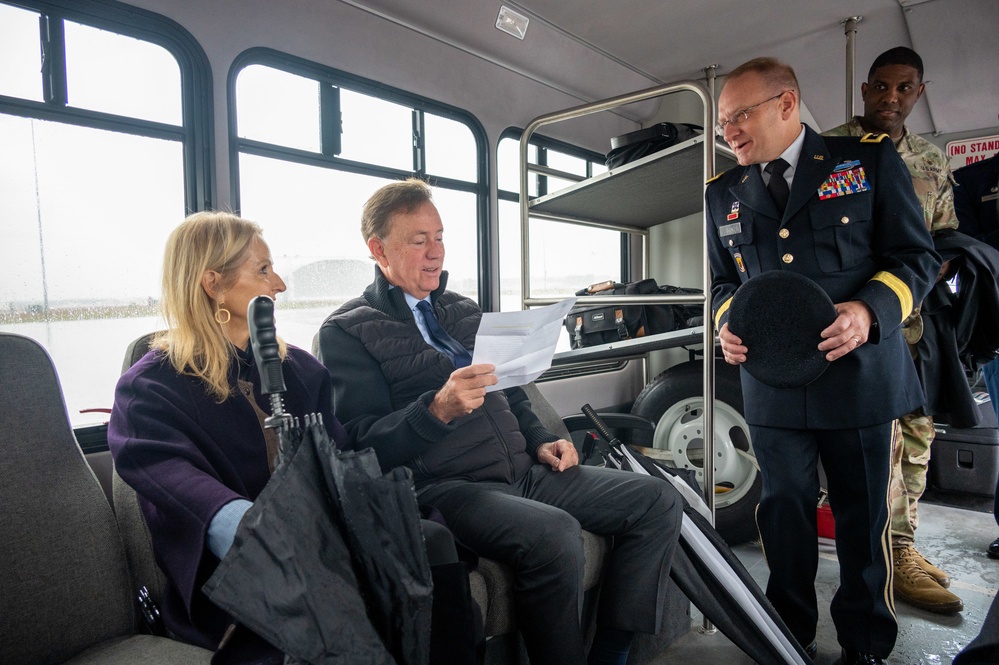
x: 512, y: 23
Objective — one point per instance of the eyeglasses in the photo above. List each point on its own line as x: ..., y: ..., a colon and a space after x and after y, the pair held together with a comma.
x: 742, y: 115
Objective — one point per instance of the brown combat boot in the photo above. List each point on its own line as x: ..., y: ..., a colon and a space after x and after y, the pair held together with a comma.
x: 915, y: 586
x: 942, y: 578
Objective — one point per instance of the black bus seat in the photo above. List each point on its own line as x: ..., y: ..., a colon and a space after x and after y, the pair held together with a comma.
x: 65, y: 591
x: 137, y: 541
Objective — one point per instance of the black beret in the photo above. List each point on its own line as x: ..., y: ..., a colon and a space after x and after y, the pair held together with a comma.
x: 779, y: 316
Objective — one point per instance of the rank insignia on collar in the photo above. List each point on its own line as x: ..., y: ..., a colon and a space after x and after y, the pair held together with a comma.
x: 841, y: 183
x: 819, y: 158
x: 734, y: 213
x: 744, y: 178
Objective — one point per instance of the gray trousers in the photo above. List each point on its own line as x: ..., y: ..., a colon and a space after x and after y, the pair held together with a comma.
x: 533, y: 525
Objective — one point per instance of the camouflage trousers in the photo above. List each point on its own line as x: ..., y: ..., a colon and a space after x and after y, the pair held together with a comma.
x: 910, y: 459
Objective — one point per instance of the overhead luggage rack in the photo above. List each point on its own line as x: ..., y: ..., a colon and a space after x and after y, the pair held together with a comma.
x: 657, y: 188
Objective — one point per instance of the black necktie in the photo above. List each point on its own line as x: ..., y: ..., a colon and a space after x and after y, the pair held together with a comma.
x: 458, y: 353
x: 778, y: 185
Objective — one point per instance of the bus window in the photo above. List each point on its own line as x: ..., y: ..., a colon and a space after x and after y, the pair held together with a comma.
x: 277, y: 107
x: 451, y: 149
x: 376, y: 131
x: 305, y: 185
x: 121, y: 75
x: 564, y: 257
x: 98, y: 166
x: 19, y: 53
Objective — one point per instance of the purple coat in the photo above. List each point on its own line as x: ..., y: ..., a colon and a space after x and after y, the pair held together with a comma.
x: 187, y: 455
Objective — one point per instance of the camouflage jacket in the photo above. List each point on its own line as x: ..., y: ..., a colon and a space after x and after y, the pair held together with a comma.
x: 930, y: 171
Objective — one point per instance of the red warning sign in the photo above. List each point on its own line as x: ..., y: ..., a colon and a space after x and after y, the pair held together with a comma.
x: 969, y: 151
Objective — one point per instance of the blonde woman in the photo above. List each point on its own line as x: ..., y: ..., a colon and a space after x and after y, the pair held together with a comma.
x: 186, y: 430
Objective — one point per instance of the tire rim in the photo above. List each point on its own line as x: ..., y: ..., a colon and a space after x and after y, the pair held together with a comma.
x: 681, y: 432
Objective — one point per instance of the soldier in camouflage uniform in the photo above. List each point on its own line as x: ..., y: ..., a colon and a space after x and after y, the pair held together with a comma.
x: 893, y: 86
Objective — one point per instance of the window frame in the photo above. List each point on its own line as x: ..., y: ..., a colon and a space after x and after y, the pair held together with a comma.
x: 331, y: 80
x: 195, y: 133
x: 197, y: 116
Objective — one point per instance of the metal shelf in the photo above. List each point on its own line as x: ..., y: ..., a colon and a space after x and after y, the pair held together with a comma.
x: 632, y: 348
x: 657, y: 188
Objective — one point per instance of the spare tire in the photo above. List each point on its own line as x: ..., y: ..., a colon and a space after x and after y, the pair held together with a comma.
x: 674, y: 400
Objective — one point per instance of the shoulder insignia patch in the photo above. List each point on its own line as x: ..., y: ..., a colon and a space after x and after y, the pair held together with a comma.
x: 873, y: 138
x: 714, y: 177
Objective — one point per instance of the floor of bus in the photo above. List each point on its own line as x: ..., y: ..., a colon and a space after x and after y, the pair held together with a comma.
x: 953, y: 533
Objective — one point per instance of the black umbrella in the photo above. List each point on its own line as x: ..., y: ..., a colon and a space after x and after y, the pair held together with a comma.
x: 708, y: 572
x: 328, y: 565
x: 381, y: 518
x: 288, y: 575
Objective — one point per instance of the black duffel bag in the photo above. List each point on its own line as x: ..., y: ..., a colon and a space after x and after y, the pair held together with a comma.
x: 599, y: 324
x: 635, y: 145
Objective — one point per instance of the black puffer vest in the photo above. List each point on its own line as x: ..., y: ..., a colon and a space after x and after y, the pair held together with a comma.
x: 487, y: 444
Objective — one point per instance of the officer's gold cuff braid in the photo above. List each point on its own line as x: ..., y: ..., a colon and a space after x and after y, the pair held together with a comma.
x: 899, y: 288
x: 721, y: 311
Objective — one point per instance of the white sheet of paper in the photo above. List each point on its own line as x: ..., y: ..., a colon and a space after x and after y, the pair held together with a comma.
x: 520, y: 344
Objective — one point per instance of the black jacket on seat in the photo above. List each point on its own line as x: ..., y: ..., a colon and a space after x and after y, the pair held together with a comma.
x: 960, y: 329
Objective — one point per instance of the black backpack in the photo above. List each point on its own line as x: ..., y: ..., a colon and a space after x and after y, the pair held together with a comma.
x: 635, y: 145
x: 599, y: 324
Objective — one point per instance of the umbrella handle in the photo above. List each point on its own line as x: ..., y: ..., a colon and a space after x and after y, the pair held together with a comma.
x: 263, y: 339
x: 599, y: 425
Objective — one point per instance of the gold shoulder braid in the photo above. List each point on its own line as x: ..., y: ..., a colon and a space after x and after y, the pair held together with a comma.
x: 873, y: 138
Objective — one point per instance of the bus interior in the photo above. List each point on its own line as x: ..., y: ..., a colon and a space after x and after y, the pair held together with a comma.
x: 117, y: 119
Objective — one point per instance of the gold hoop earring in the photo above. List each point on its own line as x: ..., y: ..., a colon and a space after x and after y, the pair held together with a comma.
x: 222, y: 315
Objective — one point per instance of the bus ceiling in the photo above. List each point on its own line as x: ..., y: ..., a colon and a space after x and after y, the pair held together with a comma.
x: 593, y: 49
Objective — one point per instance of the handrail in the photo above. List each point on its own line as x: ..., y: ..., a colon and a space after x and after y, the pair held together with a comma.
x: 547, y: 170
x: 710, y: 114
x: 591, y: 223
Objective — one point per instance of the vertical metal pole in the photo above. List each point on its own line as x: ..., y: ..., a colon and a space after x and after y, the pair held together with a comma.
x: 711, y: 117
x: 710, y: 72
x: 850, y: 30
x: 525, y: 225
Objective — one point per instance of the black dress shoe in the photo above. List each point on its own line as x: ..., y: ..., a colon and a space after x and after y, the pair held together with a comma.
x: 857, y: 658
x: 993, y: 550
x: 812, y: 650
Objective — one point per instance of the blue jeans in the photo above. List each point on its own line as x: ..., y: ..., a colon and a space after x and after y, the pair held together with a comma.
x: 991, y: 373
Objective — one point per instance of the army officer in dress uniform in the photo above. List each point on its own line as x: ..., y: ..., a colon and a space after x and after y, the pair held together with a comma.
x: 842, y: 212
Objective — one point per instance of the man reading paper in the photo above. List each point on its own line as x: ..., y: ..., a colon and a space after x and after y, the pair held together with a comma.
x: 508, y: 489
